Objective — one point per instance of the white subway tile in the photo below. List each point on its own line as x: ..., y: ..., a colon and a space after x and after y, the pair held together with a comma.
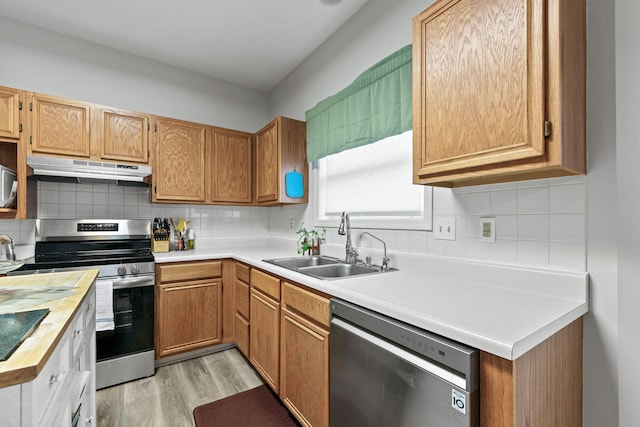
x: 533, y: 227
x: 536, y: 253
x: 567, y: 228
x: 84, y: 211
x: 84, y: 198
x: 479, y: 203
x: 504, y: 251
x: 568, y: 198
x: 66, y: 211
x: 568, y: 255
x: 533, y: 200
x: 479, y: 250
x: 504, y: 202
x: 67, y: 197
x: 533, y: 183
x: 506, y: 227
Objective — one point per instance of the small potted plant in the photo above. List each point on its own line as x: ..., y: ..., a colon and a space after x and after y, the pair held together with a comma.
x: 309, y: 240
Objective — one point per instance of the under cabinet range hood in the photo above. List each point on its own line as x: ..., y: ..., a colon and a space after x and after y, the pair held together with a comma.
x: 87, y: 171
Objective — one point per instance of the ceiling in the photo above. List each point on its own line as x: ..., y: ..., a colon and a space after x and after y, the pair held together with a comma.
x: 252, y: 43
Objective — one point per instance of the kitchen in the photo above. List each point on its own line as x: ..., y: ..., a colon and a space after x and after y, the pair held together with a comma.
x: 604, y: 247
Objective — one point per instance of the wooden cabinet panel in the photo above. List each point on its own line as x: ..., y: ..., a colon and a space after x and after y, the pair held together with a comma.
x: 185, y: 271
x: 304, y: 381
x: 230, y: 163
x: 124, y: 136
x: 179, y: 170
x: 242, y: 272
x: 9, y: 113
x: 268, y: 284
x: 264, y: 342
x: 310, y: 304
x: 541, y: 388
x: 280, y: 149
x: 60, y: 126
x: 267, y: 164
x: 241, y: 333
x: 189, y: 316
x: 493, y: 110
x: 242, y: 298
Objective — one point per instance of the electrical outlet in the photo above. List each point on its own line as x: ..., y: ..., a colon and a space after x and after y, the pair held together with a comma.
x: 290, y: 223
x: 444, y: 228
x: 488, y: 230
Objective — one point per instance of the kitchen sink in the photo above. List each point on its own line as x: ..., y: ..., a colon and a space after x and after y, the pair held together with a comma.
x: 340, y: 270
x: 294, y: 263
x: 327, y: 268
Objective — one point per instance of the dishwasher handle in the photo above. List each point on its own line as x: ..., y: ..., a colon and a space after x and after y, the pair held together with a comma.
x: 403, y: 354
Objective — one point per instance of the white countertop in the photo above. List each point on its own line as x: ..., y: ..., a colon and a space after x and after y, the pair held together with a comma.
x: 502, y: 309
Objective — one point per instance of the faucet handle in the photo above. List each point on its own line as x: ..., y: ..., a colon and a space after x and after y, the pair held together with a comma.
x: 368, y: 261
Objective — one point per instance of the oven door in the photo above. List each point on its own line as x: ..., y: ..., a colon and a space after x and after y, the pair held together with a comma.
x: 133, y: 307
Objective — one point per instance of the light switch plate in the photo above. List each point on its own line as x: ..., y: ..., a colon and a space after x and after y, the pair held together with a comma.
x: 488, y: 230
x: 444, y: 228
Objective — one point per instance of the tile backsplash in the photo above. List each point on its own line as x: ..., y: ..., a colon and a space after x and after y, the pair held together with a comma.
x: 539, y: 222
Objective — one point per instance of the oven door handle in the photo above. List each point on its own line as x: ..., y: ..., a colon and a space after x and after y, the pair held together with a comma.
x: 135, y: 282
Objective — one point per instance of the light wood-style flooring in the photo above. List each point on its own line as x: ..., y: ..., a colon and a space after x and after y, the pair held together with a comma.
x: 168, y: 398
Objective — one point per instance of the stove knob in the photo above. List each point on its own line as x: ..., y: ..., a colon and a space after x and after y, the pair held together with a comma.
x: 135, y: 269
x: 122, y: 270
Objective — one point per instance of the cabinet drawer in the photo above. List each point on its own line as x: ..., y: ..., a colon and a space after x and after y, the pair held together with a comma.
x: 266, y: 283
x: 242, y: 272
x: 184, y: 271
x: 313, y: 306
x: 242, y: 298
x: 241, y: 333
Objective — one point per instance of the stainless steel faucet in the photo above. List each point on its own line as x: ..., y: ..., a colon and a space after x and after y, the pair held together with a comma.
x: 351, y: 254
x: 8, y: 247
x: 385, y: 258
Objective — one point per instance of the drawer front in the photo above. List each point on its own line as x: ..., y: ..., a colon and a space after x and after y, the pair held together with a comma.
x: 242, y: 272
x: 241, y: 333
x: 242, y: 298
x: 51, y: 381
x: 185, y: 271
x: 313, y: 306
x: 266, y: 283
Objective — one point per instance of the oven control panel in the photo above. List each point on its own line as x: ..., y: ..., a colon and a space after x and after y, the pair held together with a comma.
x: 98, y: 226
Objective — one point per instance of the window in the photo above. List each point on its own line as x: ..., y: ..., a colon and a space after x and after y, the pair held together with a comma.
x: 374, y: 184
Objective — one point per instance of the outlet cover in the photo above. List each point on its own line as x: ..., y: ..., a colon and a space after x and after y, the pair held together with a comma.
x: 488, y: 230
x: 444, y: 228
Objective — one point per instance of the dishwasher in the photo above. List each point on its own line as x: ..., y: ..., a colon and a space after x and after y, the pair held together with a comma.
x: 384, y: 372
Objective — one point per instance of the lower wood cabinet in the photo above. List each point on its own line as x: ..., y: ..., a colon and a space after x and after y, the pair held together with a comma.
x: 288, y: 342
x: 242, y: 297
x: 188, y: 306
x: 543, y: 387
x: 264, y: 342
x: 304, y: 355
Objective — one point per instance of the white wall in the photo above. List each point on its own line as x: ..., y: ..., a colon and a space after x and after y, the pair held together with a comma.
x: 549, y: 222
x: 628, y: 154
x: 42, y: 61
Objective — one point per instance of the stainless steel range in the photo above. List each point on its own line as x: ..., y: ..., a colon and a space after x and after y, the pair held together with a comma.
x: 121, y: 250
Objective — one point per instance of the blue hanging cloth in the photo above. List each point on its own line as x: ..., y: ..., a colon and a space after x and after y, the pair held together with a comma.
x: 294, y: 184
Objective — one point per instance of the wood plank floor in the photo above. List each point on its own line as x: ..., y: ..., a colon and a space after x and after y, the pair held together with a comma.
x: 168, y: 398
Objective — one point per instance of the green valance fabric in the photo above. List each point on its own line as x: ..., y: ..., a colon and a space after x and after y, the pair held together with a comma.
x: 375, y: 106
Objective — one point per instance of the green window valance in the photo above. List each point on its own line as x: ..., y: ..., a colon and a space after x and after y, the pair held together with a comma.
x: 375, y: 106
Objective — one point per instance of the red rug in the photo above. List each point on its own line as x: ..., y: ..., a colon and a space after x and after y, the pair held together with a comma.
x: 258, y: 407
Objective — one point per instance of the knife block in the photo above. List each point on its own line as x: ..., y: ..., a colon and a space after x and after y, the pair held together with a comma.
x: 159, y: 245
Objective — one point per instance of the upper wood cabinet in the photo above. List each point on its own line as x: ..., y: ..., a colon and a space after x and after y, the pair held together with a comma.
x: 280, y: 148
x: 179, y: 169
x: 124, y: 136
x: 60, y: 126
x: 10, y: 105
x: 13, y: 151
x: 230, y: 165
x: 499, y: 91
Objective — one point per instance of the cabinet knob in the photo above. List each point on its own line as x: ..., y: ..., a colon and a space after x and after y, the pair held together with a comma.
x: 122, y: 270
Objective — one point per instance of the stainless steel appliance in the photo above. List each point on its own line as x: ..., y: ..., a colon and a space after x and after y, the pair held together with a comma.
x: 384, y: 372
x: 121, y: 250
